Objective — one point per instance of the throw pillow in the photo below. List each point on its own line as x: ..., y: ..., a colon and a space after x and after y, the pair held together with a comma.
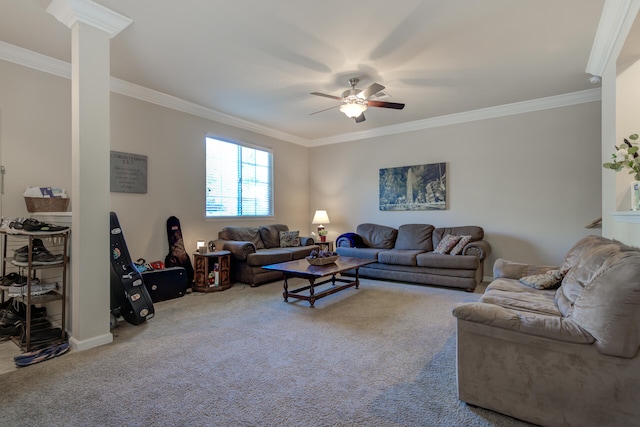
x: 548, y: 280
x: 446, y: 244
x: 457, y: 249
x: 289, y: 239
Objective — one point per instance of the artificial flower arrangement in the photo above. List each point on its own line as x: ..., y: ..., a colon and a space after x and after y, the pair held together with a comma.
x: 626, y: 156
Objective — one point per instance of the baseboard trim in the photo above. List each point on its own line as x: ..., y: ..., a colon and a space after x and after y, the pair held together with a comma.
x: 80, y: 345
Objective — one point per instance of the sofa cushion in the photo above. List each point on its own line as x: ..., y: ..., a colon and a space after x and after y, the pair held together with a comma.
x: 366, y: 253
x: 268, y: 256
x: 530, y: 302
x: 476, y: 233
x: 415, y: 236
x: 457, y: 249
x: 446, y: 244
x: 270, y: 235
x: 399, y: 256
x: 608, y: 303
x: 299, y: 252
x: 289, y: 239
x: 434, y: 260
x: 377, y: 236
x: 242, y: 234
x: 582, y: 263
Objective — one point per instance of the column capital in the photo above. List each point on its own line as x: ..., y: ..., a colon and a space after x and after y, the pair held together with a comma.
x: 69, y: 12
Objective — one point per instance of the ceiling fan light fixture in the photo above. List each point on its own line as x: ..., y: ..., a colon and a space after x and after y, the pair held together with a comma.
x: 353, y: 108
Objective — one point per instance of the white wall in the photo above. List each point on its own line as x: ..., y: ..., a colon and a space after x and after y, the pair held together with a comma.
x: 174, y: 144
x: 35, y: 144
x: 532, y: 181
x: 627, y: 88
x: 35, y: 133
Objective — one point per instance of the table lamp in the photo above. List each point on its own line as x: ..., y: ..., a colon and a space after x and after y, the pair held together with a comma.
x: 321, y: 218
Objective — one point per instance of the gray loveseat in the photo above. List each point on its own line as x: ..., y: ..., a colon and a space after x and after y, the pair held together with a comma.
x: 406, y: 254
x: 557, y: 357
x: 254, y: 247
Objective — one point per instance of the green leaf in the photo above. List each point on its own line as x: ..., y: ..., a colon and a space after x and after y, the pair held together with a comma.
x: 633, y: 137
x: 615, y: 166
x: 633, y: 149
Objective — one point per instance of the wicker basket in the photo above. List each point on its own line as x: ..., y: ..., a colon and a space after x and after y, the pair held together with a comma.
x: 47, y: 204
x: 322, y: 261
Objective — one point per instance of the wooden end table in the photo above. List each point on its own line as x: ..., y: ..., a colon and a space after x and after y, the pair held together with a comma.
x: 204, y: 271
x: 301, y: 268
x: 326, y: 245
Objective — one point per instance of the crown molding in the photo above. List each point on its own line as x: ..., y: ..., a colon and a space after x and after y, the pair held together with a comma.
x: 615, y: 22
x: 69, y: 12
x: 59, y: 68
x: 37, y: 61
x: 580, y: 97
x: 148, y: 95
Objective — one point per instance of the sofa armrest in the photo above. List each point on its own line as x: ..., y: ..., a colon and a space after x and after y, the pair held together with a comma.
x: 479, y: 248
x: 239, y: 250
x: 350, y: 240
x: 517, y: 270
x: 553, y: 327
x: 306, y: 241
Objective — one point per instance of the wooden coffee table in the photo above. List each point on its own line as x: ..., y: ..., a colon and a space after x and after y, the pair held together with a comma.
x: 301, y: 268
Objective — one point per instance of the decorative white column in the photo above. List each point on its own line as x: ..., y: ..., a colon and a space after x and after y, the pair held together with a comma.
x: 92, y: 26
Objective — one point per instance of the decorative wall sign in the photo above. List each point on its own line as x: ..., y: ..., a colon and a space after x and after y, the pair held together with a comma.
x: 128, y: 173
x: 414, y: 188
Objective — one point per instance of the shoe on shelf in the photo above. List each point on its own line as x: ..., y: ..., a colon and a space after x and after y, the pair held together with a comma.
x: 38, y: 257
x: 17, y: 312
x: 31, y: 224
x: 37, y: 289
x: 35, y: 244
x: 9, y: 279
x: 9, y: 330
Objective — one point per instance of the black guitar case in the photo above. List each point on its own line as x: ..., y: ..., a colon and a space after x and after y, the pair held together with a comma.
x: 129, y: 297
x: 178, y: 256
x: 165, y: 284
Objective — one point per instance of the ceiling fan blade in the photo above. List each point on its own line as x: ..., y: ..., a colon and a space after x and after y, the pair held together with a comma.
x: 326, y: 109
x: 394, y: 105
x: 371, y: 90
x: 326, y: 96
x: 360, y: 118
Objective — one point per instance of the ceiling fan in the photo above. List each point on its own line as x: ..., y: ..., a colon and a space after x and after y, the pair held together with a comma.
x: 355, y: 101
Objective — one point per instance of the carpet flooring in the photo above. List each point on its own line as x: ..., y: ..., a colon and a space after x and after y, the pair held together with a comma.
x: 382, y: 355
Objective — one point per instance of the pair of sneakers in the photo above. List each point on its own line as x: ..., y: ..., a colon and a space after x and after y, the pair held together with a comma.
x: 36, y: 289
x: 39, y: 255
x: 22, y: 224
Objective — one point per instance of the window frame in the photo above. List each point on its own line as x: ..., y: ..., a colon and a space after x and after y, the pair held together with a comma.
x: 240, y: 145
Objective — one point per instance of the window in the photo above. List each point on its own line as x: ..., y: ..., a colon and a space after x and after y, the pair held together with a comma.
x: 239, y: 180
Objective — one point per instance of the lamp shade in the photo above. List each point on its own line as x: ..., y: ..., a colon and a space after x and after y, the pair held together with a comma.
x: 321, y: 217
x: 352, y: 110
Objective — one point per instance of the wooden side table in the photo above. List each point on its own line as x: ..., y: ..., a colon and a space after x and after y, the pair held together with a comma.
x: 205, y: 266
x: 327, y: 245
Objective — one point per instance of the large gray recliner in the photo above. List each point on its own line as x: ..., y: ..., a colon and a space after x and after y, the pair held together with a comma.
x: 565, y: 357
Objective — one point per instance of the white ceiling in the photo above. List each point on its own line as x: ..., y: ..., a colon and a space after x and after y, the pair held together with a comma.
x: 258, y: 60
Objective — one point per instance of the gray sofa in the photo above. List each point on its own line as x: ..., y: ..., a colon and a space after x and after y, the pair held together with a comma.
x: 254, y: 247
x: 406, y: 254
x: 557, y: 357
